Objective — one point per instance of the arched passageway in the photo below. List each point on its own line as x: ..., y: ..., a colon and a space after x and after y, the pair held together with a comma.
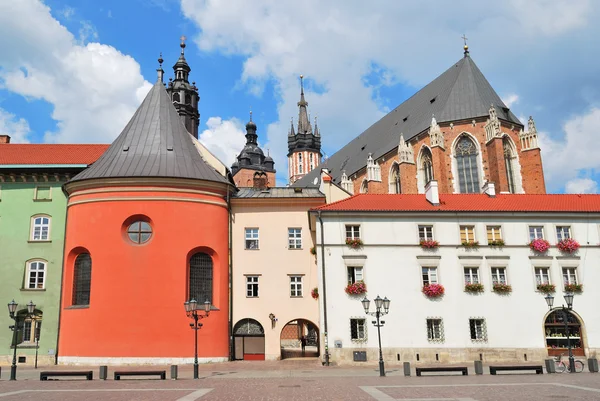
x: 299, y: 338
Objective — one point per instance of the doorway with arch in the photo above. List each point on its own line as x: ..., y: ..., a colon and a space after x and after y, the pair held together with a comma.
x: 248, y: 341
x: 556, y: 333
x: 299, y: 339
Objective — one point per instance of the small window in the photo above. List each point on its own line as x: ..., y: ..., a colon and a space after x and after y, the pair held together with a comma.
x: 251, y: 238
x: 478, y: 329
x: 139, y: 232
x: 31, y: 330
x: 429, y: 275
x: 498, y: 275
x: 355, y: 273
x: 435, y: 331
x: 40, y: 230
x: 294, y: 238
x: 352, y: 232
x: 569, y: 275
x: 563, y: 232
x: 542, y: 275
x: 467, y: 233
x: 425, y: 233
x: 358, y: 330
x: 252, y: 286
x: 300, y: 169
x: 471, y: 275
x: 43, y: 193
x: 36, y: 275
x: 494, y: 233
x: 82, y: 279
x: 295, y: 286
x: 536, y: 232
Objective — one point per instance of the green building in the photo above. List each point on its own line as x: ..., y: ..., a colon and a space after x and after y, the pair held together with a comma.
x: 33, y: 209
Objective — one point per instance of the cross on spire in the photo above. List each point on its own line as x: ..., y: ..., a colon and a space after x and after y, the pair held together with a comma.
x: 182, y: 44
x: 466, y: 47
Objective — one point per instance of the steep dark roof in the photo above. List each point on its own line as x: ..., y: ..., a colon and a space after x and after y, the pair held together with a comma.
x: 153, y: 144
x: 460, y: 93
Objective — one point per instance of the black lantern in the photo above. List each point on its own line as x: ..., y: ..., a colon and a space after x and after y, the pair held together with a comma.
x: 12, y: 307
x: 30, y: 307
x: 365, y: 303
x: 379, y: 303
x: 549, y: 300
x: 569, y: 300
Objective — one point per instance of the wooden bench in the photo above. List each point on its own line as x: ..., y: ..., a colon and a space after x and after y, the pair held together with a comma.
x: 537, y: 368
x: 161, y: 373
x: 89, y: 375
x: 463, y: 369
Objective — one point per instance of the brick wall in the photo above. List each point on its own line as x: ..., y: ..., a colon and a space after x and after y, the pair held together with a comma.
x: 245, y: 178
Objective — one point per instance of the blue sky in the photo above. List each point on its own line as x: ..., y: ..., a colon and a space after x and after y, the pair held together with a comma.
x: 75, y: 70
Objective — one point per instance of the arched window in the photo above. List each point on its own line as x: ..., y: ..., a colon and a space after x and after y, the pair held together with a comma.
x: 466, y: 161
x: 364, y: 187
x: 394, y: 179
x: 188, y: 99
x: 509, y: 158
x: 40, y: 228
x: 201, y: 277
x: 426, y: 165
x: 36, y: 275
x: 82, y: 279
x: 176, y: 97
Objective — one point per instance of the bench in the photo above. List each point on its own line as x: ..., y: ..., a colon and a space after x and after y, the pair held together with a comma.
x: 463, y: 369
x: 537, y: 368
x: 89, y: 375
x: 161, y: 373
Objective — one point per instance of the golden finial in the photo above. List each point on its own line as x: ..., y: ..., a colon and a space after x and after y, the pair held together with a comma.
x: 465, y: 47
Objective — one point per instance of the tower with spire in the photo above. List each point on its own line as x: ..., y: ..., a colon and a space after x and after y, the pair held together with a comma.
x: 304, y: 144
x: 184, y: 95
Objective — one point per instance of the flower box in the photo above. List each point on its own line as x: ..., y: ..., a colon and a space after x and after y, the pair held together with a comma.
x: 313, y: 250
x: 429, y: 244
x: 498, y: 243
x: 357, y: 288
x: 470, y: 244
x: 354, y: 243
x: 546, y: 288
x: 473, y: 287
x: 501, y: 288
x: 539, y: 245
x: 577, y: 288
x: 433, y: 290
x: 568, y: 245
x: 314, y: 293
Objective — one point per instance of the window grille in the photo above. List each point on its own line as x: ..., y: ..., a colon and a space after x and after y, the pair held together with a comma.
x: 82, y: 281
x: 201, y: 278
x: 358, y: 330
x: 478, y: 329
x: 435, y: 330
x: 466, y: 159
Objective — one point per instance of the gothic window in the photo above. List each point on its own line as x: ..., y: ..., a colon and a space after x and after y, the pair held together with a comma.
x: 426, y: 166
x: 466, y: 160
x: 201, y: 277
x: 176, y: 97
x: 508, y: 163
x: 82, y: 279
x: 364, y: 187
x: 394, y: 180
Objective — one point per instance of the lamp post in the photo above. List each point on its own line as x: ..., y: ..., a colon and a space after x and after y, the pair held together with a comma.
x: 12, y: 312
x: 379, y: 303
x: 192, y: 311
x: 565, y: 314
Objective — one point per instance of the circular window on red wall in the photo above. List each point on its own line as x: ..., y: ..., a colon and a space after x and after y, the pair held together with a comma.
x: 139, y: 232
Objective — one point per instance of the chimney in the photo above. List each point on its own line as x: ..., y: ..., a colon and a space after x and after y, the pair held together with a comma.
x: 432, y: 194
x: 260, y: 181
x: 489, y: 189
x: 4, y: 139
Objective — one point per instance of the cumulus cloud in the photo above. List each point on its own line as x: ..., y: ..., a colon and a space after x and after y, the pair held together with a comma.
x: 17, y: 128
x: 582, y: 186
x: 94, y: 89
x: 224, y: 138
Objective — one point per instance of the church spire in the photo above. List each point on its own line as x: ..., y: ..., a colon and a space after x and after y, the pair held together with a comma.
x: 181, y: 67
x: 160, y: 72
x: 303, y: 121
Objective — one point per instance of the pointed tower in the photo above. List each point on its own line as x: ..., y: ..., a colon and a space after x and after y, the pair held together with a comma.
x: 304, y: 145
x: 184, y: 95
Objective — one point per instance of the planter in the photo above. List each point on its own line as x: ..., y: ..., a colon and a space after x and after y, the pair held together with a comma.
x: 576, y: 288
x: 473, y: 288
x: 568, y: 245
x: 546, y: 288
x: 433, y: 290
x: 315, y: 293
x: 539, y: 245
x: 470, y: 244
x: 497, y: 243
x: 354, y: 243
x: 429, y: 244
x: 313, y: 250
x: 502, y: 288
x: 357, y: 288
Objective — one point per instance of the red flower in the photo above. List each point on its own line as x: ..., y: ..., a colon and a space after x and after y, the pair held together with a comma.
x: 539, y: 245
x: 357, y: 288
x: 429, y: 244
x: 568, y: 245
x: 433, y: 290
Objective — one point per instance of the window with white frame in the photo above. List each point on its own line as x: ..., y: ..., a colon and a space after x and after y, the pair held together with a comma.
x: 536, y: 232
x: 435, y: 331
x: 355, y: 273
x: 494, y: 233
x: 498, y: 275
x: 295, y: 286
x: 252, y: 286
x: 40, y: 228
x: 542, y: 275
x: 358, y: 329
x: 425, y: 233
x: 471, y: 275
x: 569, y: 275
x: 251, y: 238
x: 563, y: 232
x: 467, y: 233
x: 36, y: 275
x: 294, y: 238
x: 429, y: 274
x: 352, y: 232
x: 477, y: 329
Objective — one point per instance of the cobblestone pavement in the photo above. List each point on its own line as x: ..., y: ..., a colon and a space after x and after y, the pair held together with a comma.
x: 290, y: 380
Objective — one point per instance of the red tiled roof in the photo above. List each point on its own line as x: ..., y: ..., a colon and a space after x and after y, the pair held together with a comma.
x: 467, y: 203
x: 35, y: 154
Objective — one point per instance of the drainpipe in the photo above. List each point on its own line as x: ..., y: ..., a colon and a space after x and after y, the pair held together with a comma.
x: 326, y: 340
x: 62, y: 273
x: 230, y: 326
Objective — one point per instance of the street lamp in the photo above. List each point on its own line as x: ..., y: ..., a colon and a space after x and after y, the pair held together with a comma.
x: 192, y: 311
x: 379, y: 303
x: 565, y: 314
x: 12, y: 312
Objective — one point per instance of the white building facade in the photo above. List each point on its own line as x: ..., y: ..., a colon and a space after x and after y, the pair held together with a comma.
x: 493, y: 307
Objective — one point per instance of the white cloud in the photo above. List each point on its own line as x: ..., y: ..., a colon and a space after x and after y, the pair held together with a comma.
x: 87, y: 32
x: 17, y: 128
x: 510, y: 100
x: 224, y: 138
x: 67, y: 12
x: 582, y: 186
x: 94, y: 89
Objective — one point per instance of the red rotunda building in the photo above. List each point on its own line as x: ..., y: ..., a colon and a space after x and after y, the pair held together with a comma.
x: 147, y: 229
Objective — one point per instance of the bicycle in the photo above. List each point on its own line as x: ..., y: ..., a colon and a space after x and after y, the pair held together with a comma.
x: 560, y: 366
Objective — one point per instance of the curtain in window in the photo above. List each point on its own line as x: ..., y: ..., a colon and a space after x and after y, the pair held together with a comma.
x: 508, y: 162
x: 466, y: 160
x: 82, y: 279
x: 201, y: 278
